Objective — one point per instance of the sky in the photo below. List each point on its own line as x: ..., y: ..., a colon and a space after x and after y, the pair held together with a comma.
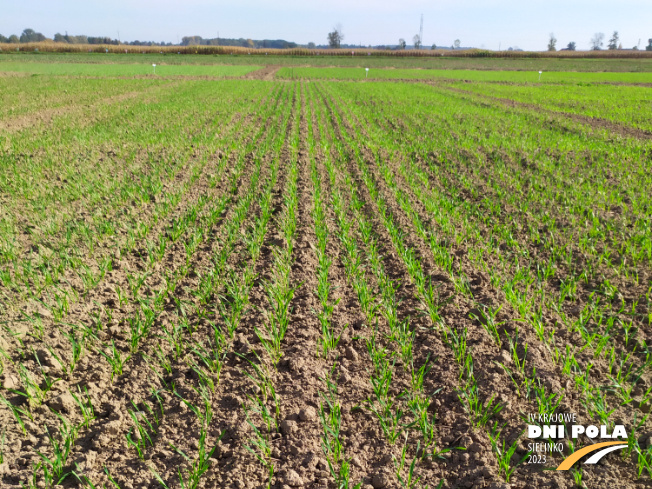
x: 489, y: 24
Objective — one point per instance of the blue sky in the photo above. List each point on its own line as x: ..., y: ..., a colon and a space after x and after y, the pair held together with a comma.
x: 490, y: 24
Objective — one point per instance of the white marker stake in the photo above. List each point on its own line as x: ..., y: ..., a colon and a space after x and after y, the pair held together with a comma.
x: 366, y: 72
x: 540, y: 75
x: 154, y: 65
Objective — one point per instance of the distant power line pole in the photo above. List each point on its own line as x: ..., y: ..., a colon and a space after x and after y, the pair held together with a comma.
x: 421, y: 31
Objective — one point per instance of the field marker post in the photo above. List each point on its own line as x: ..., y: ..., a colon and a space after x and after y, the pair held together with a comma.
x: 154, y: 65
x: 366, y: 72
x: 540, y: 74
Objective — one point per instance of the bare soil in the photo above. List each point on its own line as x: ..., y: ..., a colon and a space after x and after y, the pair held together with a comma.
x: 265, y: 73
x: 297, y: 452
x: 595, y: 122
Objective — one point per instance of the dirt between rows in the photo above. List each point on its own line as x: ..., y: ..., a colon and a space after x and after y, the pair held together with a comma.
x: 204, y: 159
x: 481, y: 177
x: 633, y: 290
x: 297, y: 450
x: 111, y: 399
x: 457, y: 468
x: 443, y: 81
x: 14, y: 74
x: 538, y: 353
x: 265, y: 73
x: 44, y: 117
x: 594, y: 122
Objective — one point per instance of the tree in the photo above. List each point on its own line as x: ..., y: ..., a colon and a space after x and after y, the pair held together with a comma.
x: 552, y: 43
x: 457, y: 44
x: 92, y: 40
x: 3, y: 39
x: 82, y: 39
x: 434, y: 46
x: 27, y: 35
x: 335, y: 37
x: 647, y: 48
x: 571, y: 46
x: 311, y: 45
x: 13, y: 39
x: 417, y: 41
x: 30, y: 35
x: 401, y: 43
x: 191, y: 40
x: 613, y: 42
x: 597, y: 41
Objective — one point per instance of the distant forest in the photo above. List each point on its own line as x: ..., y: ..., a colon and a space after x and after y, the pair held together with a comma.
x: 30, y: 35
x: 245, y: 43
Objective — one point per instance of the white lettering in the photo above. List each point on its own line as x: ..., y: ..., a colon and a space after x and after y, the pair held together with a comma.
x: 533, y: 431
x: 592, y: 431
x: 577, y: 430
x: 603, y: 431
x: 549, y: 431
x: 619, y: 431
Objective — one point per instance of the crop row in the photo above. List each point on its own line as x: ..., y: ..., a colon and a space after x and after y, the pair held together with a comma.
x: 302, y: 255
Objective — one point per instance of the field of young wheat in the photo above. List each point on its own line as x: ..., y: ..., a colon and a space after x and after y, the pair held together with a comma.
x: 313, y: 283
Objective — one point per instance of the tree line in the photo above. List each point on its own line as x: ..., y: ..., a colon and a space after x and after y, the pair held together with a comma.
x: 597, y: 43
x: 30, y: 35
x: 245, y: 43
x: 334, y: 38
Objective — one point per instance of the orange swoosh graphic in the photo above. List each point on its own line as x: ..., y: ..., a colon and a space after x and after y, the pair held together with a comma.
x: 570, y: 461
